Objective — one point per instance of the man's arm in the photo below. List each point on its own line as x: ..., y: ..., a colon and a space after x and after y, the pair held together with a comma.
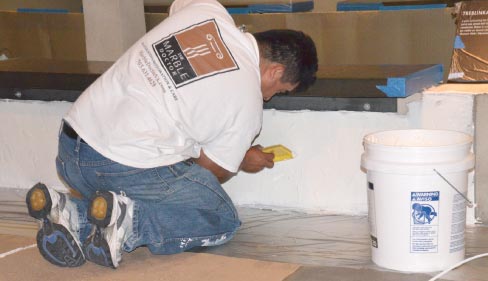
x: 254, y: 161
x: 222, y: 174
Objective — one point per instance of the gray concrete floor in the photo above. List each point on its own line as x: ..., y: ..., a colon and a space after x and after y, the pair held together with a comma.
x: 324, y: 247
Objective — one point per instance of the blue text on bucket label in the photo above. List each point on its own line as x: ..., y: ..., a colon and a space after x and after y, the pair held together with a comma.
x: 424, y: 228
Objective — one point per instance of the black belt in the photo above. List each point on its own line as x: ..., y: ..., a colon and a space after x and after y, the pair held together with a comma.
x: 67, y: 130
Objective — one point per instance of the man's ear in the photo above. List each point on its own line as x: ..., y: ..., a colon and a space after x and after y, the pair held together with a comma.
x: 276, y: 71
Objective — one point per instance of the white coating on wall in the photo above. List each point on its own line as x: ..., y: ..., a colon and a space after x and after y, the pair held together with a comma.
x: 325, y: 176
x: 451, y: 111
x: 28, y: 142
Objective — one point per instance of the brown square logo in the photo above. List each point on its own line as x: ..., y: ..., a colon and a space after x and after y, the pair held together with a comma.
x: 195, y: 53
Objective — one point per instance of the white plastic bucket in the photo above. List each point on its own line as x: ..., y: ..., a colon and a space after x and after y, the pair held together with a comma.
x: 416, y: 218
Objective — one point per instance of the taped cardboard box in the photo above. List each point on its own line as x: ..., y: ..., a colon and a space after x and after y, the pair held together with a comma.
x: 36, y: 35
x: 370, y: 37
x: 342, y: 38
x: 55, y: 6
x: 470, y: 56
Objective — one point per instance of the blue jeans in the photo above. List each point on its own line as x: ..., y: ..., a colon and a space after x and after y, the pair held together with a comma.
x: 176, y: 207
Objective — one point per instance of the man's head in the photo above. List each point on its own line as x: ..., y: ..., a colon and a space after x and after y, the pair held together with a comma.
x: 288, y: 61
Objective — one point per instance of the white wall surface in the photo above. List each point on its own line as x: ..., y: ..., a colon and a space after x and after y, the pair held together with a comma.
x: 451, y: 108
x: 28, y: 142
x: 324, y: 177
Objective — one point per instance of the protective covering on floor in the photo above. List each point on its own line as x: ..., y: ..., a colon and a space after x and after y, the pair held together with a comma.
x: 334, y: 246
x: 330, y: 241
x: 294, y: 237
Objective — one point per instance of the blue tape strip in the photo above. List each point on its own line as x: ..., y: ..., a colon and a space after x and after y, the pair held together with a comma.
x: 401, y: 87
x: 282, y: 8
x: 344, y: 7
x: 412, y: 7
x: 46, y: 11
x: 458, y: 43
x: 243, y: 10
x: 395, y: 87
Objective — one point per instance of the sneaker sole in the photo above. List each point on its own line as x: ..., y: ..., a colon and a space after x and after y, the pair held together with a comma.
x: 54, y: 241
x: 58, y: 246
x: 96, y: 248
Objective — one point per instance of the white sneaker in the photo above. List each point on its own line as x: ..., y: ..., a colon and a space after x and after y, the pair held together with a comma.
x: 57, y: 239
x: 112, y: 216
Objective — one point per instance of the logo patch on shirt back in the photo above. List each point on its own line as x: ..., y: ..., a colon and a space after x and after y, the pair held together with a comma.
x: 194, y: 53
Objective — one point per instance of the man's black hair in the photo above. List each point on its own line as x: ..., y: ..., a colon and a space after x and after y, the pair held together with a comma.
x: 295, y: 50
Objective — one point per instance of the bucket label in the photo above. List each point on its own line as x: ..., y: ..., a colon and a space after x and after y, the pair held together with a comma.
x: 458, y: 223
x: 424, y: 226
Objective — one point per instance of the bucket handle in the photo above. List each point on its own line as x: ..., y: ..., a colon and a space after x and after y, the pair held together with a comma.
x: 470, y: 204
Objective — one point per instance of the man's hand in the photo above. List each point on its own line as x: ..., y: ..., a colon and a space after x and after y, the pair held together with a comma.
x: 256, y: 160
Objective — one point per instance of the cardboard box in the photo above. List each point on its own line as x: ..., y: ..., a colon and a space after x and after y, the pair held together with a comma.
x: 35, y: 35
x: 470, y: 56
x: 55, y: 6
x: 342, y: 38
x: 370, y: 37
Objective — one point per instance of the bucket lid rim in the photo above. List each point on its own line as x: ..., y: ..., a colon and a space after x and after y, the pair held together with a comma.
x: 468, y: 140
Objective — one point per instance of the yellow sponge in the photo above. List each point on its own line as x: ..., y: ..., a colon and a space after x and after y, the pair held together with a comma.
x: 280, y: 152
